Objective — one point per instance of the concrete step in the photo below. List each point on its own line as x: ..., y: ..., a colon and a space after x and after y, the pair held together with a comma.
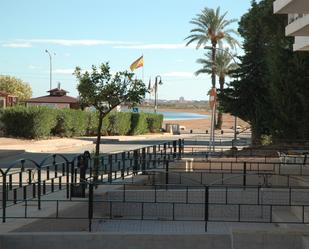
x: 305, y: 242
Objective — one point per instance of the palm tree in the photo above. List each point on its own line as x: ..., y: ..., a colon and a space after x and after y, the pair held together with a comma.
x: 212, y: 27
x: 224, y: 66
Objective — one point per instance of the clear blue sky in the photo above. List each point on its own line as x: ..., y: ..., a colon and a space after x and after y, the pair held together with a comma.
x: 82, y: 33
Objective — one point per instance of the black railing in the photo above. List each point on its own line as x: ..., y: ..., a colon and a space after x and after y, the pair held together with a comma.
x: 196, y: 204
x: 26, y: 180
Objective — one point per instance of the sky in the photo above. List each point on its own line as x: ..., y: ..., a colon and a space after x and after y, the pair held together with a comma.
x: 84, y: 33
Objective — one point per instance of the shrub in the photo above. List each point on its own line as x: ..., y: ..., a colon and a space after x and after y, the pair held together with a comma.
x: 119, y: 123
x: 28, y: 122
x: 138, y: 124
x: 92, y: 120
x: 154, y: 122
x: 38, y: 122
x: 70, y: 123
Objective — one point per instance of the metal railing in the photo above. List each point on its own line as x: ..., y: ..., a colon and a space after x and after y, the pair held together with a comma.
x: 26, y: 180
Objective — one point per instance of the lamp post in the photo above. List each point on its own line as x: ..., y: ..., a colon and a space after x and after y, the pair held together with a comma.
x: 50, y: 67
x: 158, y: 81
x: 233, y: 58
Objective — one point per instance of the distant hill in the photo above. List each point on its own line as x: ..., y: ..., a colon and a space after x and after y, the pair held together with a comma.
x: 176, y: 104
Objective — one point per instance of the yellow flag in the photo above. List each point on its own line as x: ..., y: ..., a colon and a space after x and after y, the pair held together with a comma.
x: 137, y: 63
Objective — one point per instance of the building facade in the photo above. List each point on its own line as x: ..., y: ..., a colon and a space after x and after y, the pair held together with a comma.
x: 57, y: 98
x: 298, y: 21
x: 7, y: 100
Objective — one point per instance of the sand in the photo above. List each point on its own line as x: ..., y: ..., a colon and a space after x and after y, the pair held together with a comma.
x: 204, y: 124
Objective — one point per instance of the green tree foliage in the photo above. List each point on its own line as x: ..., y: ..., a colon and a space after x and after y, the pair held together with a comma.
x: 273, y: 86
x: 104, y: 91
x: 15, y: 87
x: 211, y: 26
x: 224, y: 66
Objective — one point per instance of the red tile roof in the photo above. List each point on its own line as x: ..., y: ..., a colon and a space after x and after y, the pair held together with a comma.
x: 53, y: 99
x: 3, y: 93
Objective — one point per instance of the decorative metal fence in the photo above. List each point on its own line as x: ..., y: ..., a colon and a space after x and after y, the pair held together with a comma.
x: 26, y: 179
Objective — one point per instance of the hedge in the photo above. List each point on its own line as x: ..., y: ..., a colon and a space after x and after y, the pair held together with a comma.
x: 138, y: 123
x: 154, y: 122
x: 70, y: 123
x: 119, y: 123
x: 32, y: 122
x: 38, y: 122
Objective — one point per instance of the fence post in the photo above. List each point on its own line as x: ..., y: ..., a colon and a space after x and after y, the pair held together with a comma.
x: 179, y: 148
x: 110, y: 173
x: 39, y: 188
x: 174, y: 149
x: 123, y: 157
x: 182, y: 146
x: 245, y: 174
x: 143, y: 161
x: 154, y: 151
x: 90, y: 206
x: 135, y: 164
x: 206, y: 208
x: 67, y: 180
x: 3, y: 196
x: 166, y: 171
x: 148, y: 158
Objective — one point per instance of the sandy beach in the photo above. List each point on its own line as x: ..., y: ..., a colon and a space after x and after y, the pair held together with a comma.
x: 203, y: 124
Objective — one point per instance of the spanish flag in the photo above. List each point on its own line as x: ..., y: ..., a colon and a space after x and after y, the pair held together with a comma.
x: 137, y: 63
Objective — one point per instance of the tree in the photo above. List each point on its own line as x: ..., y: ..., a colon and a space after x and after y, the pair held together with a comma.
x: 271, y: 93
x: 16, y: 87
x: 104, y: 91
x: 224, y: 66
x: 212, y: 27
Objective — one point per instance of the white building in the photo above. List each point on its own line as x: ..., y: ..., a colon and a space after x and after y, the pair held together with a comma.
x: 298, y: 21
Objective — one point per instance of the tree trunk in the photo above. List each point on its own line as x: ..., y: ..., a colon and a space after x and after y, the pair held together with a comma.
x: 255, y: 135
x: 220, y: 118
x: 213, y: 71
x: 97, y: 148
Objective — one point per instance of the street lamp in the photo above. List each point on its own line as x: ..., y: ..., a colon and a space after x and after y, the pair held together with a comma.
x: 158, y: 81
x: 233, y: 58
x: 50, y: 67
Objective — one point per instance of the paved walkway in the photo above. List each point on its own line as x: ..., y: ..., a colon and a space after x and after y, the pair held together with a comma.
x: 170, y: 227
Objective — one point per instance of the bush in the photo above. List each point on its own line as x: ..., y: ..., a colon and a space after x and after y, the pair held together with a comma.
x: 28, y: 122
x: 154, y: 122
x: 119, y: 123
x: 92, y: 121
x: 38, y: 122
x: 70, y: 123
x: 138, y: 123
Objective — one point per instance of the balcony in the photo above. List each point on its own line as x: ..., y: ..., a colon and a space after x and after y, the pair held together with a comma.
x: 291, y: 6
x: 301, y: 43
x: 298, y: 25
